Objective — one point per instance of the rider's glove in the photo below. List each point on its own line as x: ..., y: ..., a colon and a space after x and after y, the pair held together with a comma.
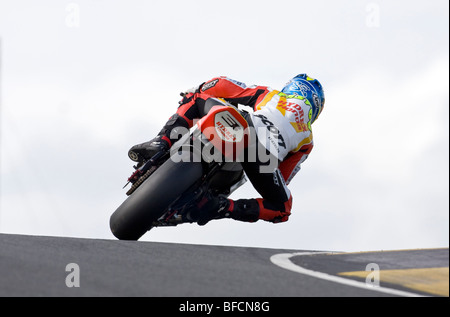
x: 147, y: 150
x: 193, y: 90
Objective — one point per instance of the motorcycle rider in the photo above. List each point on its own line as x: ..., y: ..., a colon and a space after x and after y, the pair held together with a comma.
x: 290, y: 112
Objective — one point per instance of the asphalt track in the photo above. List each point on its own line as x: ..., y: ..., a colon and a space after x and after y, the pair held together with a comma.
x: 40, y: 266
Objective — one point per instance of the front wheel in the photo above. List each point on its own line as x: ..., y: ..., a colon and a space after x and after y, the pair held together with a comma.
x: 150, y: 200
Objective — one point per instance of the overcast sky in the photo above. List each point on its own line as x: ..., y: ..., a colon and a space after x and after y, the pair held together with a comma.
x: 83, y: 81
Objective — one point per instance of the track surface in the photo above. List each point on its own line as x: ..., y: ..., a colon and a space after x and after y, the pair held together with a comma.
x: 36, y: 266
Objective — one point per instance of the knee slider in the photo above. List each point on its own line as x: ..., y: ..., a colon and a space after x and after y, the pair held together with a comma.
x: 172, y: 130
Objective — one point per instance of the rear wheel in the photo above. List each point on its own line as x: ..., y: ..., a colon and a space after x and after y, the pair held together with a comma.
x: 150, y: 200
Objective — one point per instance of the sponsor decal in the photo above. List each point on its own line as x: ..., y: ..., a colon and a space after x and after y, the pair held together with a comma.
x: 299, y: 116
x: 228, y: 128
x: 316, y: 100
x: 242, y: 85
x: 274, y: 136
x: 210, y: 84
x: 302, y: 88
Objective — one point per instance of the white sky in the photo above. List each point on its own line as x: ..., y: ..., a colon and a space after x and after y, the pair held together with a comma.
x: 83, y: 81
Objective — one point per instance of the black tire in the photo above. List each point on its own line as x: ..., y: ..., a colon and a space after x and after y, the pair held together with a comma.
x: 134, y: 217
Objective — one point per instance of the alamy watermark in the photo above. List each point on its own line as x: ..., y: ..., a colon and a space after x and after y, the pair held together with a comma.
x: 373, y: 11
x: 73, y: 278
x: 73, y: 15
x: 230, y: 145
x: 373, y: 278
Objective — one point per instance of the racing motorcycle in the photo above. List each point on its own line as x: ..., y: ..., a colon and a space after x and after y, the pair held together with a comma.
x: 166, y: 188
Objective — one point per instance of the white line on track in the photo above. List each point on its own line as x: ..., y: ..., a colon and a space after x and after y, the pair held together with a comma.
x: 283, y: 260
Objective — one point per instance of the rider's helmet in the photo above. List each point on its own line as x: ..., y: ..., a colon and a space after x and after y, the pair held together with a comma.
x: 311, y: 89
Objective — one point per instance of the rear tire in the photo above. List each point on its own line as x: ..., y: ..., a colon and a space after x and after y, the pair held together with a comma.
x: 150, y: 200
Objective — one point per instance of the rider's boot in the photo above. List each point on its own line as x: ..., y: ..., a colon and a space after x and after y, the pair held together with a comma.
x: 172, y: 131
x: 220, y: 207
x: 247, y: 210
x: 213, y: 207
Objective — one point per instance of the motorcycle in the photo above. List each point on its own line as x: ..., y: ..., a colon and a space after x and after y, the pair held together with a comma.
x: 166, y: 188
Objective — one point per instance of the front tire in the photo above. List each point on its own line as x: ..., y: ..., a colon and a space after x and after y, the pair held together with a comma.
x: 150, y: 200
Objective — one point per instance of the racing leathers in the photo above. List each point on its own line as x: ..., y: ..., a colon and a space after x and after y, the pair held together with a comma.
x: 283, y: 128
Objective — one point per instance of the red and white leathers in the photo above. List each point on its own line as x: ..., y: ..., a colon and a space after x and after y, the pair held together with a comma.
x: 283, y: 126
x: 290, y: 115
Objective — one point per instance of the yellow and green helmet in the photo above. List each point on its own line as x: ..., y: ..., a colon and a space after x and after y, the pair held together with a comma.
x: 311, y: 89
